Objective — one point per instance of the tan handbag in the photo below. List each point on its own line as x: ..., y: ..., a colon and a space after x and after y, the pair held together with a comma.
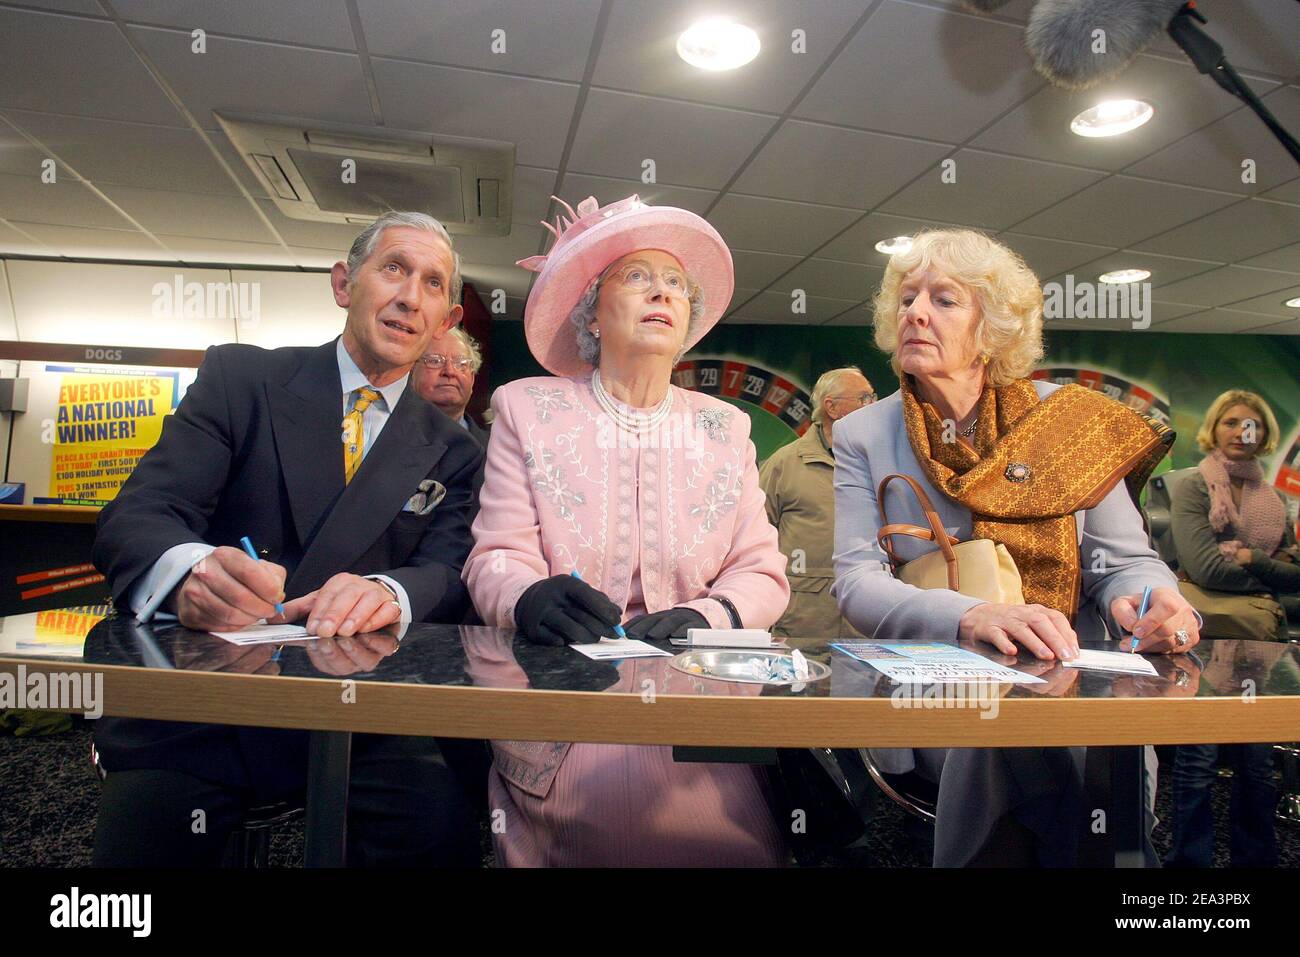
x: 979, y: 568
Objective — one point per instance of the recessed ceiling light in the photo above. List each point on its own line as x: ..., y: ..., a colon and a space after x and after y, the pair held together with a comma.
x: 718, y: 44
x: 1292, y: 303
x: 899, y: 244
x: 1124, y: 276
x: 1112, y: 118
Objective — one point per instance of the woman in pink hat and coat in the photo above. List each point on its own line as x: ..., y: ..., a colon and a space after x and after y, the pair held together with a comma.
x: 649, y: 493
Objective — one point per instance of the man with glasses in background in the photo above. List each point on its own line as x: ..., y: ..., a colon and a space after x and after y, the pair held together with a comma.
x: 798, y: 480
x: 444, y: 375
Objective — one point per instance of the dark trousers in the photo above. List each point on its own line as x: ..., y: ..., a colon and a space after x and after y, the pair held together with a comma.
x: 1254, y: 799
x: 406, y: 808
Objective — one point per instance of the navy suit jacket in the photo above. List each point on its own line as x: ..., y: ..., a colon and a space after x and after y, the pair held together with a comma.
x: 255, y: 449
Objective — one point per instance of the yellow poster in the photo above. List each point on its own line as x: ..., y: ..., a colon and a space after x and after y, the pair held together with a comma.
x: 105, y: 421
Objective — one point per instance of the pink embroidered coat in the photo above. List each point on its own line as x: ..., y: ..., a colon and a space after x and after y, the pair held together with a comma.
x: 654, y: 523
x: 563, y: 490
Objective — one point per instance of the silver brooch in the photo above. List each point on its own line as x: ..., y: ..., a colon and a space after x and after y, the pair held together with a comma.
x: 1017, y: 472
x: 714, y: 422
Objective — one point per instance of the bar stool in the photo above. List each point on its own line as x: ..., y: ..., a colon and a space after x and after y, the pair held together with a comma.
x: 250, y: 842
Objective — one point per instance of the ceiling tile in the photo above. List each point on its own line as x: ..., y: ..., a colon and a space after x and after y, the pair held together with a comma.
x: 1184, y: 101
x: 774, y: 226
x: 990, y: 191
x: 19, y: 241
x: 1288, y: 192
x: 1287, y: 259
x: 309, y: 258
x: 828, y: 279
x: 1252, y: 33
x: 859, y: 315
x: 1273, y: 303
x: 322, y: 23
x: 129, y: 154
x: 532, y: 198
x: 310, y: 233
x: 1227, y: 284
x: 1217, y: 320
x: 1118, y: 315
x: 1247, y: 229
x: 1164, y: 269
x: 639, y: 52
x: 246, y: 76
x: 910, y: 70
x: 522, y: 242
x: 1213, y: 157
x: 838, y: 167
x: 858, y: 245
x: 690, y: 145
x: 1120, y: 211
x: 108, y: 79
x: 17, y: 155
x: 193, y: 249
x: 607, y: 189
x: 779, y: 307
x: 80, y: 242
x: 191, y: 214
x: 88, y: 7
x: 554, y: 45
x: 532, y: 114
x: 1047, y: 257
x: 754, y: 270
x: 65, y: 202
x: 1289, y: 328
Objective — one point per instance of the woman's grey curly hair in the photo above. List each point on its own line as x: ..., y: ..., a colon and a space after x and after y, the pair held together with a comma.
x: 584, y: 314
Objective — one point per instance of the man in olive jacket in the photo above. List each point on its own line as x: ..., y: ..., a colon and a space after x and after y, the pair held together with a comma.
x: 798, y: 480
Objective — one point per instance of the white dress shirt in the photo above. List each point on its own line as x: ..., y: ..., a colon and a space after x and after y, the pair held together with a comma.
x: 177, y: 562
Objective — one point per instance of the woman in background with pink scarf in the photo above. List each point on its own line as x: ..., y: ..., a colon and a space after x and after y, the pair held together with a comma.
x: 1237, y: 553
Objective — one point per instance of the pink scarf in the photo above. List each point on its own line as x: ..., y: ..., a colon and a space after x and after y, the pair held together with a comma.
x: 1261, y: 521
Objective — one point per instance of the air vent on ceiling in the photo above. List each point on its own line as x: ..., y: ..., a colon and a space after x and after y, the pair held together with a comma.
x: 339, y: 177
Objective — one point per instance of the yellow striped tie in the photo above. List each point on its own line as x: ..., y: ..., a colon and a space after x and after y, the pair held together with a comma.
x: 354, y: 433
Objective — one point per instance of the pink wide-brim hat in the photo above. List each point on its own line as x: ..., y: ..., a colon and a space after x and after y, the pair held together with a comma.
x: 596, y: 236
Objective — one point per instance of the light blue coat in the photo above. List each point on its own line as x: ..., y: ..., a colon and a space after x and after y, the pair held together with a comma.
x: 1041, y: 787
x: 1115, y: 556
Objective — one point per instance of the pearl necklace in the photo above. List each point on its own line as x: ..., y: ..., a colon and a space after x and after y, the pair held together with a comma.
x: 635, y: 423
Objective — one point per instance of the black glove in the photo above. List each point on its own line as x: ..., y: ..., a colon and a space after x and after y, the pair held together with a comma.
x: 564, y: 609
x: 669, y: 623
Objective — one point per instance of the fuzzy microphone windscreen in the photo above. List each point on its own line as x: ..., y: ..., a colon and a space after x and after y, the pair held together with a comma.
x: 1062, y: 39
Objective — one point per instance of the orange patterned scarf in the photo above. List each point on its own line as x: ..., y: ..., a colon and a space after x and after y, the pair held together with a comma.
x: 1034, y: 464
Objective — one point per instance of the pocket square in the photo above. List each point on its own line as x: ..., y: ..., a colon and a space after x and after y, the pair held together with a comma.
x: 424, y: 501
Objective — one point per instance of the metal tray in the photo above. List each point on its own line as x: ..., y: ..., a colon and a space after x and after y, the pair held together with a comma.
x: 734, y: 666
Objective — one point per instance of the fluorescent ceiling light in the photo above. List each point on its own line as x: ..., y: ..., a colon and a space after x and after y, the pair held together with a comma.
x: 1124, y: 276
x: 899, y: 244
x: 718, y: 44
x: 1112, y: 118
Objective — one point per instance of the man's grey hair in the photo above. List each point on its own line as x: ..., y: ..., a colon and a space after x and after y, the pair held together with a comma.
x: 584, y: 314
x: 364, y: 245
x: 470, y: 346
x: 826, y: 386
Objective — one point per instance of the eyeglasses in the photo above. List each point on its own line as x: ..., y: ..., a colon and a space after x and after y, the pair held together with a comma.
x: 436, y: 361
x: 862, y: 398
x: 639, y: 277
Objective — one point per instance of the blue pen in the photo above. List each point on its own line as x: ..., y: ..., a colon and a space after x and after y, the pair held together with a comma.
x: 618, y: 629
x: 1142, y: 610
x: 252, y: 553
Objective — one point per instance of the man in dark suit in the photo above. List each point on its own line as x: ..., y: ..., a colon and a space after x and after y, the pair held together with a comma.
x: 445, y: 376
x: 356, y: 536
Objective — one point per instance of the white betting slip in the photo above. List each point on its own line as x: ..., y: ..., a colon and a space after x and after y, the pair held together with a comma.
x: 1122, y: 661
x: 263, y: 634
x: 608, y: 648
